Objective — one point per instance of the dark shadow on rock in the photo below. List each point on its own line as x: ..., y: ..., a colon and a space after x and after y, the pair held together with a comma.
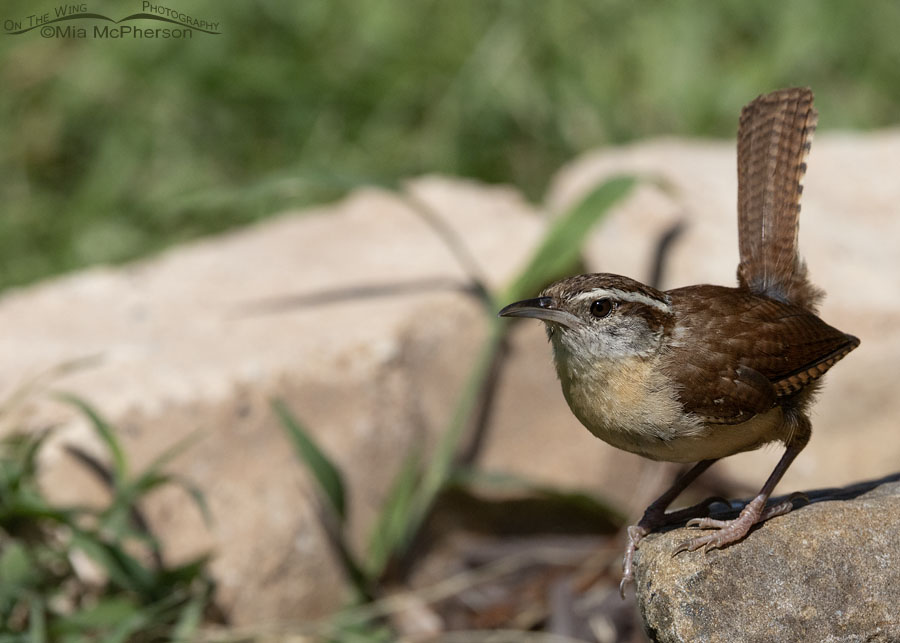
x: 806, y: 498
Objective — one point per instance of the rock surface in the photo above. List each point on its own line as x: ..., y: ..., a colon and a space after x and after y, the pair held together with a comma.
x: 828, y: 571
x: 185, y: 346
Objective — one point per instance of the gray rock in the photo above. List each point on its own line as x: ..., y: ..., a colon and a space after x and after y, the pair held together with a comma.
x: 828, y: 571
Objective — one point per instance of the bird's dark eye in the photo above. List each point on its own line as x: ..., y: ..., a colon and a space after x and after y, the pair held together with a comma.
x: 602, y: 307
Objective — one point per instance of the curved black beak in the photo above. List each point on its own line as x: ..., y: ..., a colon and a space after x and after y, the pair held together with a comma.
x: 543, y: 308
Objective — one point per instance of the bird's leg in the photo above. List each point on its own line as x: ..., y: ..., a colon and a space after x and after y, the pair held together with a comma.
x: 731, y: 531
x: 655, y: 516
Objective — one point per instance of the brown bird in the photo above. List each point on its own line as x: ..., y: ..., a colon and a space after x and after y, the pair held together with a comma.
x: 698, y: 373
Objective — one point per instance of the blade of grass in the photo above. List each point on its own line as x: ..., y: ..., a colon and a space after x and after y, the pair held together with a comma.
x: 196, y: 494
x: 331, y: 508
x: 325, y: 472
x: 172, y: 452
x: 122, y: 569
x: 105, y: 432
x: 123, y: 517
x: 390, y: 530
x: 37, y: 621
x: 42, y: 380
x: 561, y: 248
x: 123, y: 630
x: 35, y: 509
x: 187, y: 572
x: 189, y: 620
x: 103, y: 614
x: 30, y: 445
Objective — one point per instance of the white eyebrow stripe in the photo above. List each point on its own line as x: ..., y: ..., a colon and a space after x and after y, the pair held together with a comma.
x: 622, y: 295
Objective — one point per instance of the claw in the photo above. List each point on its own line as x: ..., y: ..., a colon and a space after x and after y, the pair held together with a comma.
x: 680, y: 548
x: 708, y: 543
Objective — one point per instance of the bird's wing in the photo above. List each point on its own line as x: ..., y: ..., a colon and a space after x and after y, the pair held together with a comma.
x: 755, y: 351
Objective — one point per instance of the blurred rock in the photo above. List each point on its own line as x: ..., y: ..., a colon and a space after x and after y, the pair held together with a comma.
x: 202, y: 336
x: 828, y: 571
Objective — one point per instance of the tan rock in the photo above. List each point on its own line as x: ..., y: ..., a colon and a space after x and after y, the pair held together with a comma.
x: 201, y: 337
x: 184, y: 346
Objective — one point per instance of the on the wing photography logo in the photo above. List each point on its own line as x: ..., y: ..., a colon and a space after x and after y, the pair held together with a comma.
x: 76, y: 21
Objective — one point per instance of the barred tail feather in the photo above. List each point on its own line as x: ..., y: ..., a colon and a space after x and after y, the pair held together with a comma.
x: 774, y: 139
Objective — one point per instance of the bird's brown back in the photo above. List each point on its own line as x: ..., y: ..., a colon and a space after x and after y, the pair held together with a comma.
x: 758, y: 351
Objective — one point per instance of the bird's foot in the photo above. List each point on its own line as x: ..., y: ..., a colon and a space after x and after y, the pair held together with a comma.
x: 636, y: 534
x: 731, y: 531
x: 652, y: 520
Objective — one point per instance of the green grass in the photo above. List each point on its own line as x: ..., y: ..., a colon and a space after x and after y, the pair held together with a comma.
x: 110, y: 150
x: 130, y: 595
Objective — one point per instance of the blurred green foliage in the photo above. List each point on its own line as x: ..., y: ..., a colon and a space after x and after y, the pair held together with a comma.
x: 110, y: 149
x: 78, y: 574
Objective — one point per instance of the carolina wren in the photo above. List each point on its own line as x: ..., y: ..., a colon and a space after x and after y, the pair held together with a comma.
x: 703, y: 372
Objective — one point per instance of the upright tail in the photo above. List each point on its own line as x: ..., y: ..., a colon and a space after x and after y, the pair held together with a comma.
x: 773, y: 140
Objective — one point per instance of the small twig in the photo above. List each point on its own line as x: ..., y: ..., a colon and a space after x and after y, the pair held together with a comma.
x: 352, y: 293
x: 661, y: 254
x: 484, y: 406
x: 454, y: 244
